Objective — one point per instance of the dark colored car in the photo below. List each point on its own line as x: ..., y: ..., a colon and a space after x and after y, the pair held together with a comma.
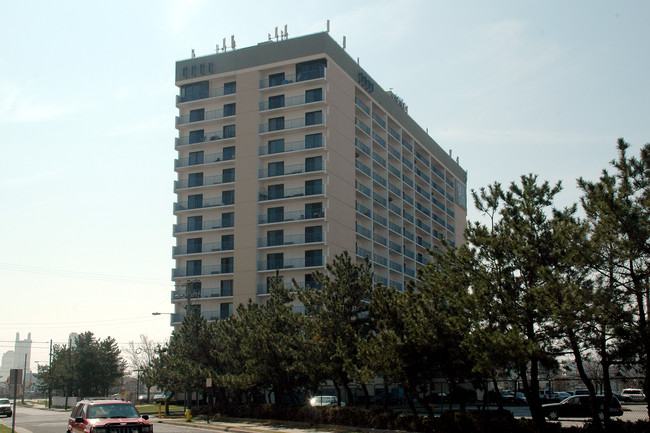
x: 577, y: 406
x: 5, y: 407
x: 105, y: 416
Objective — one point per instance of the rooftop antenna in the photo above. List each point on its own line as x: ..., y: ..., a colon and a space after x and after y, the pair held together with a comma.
x: 224, y: 44
x: 270, y: 40
x: 286, y: 32
x: 193, y: 55
x: 343, y: 42
x: 232, y: 42
x: 328, y: 26
x: 276, y: 33
x: 217, y: 48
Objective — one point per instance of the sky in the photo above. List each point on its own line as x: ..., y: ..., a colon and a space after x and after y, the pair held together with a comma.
x: 87, y: 108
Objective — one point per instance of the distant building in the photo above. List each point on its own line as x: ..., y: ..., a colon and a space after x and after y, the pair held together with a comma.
x: 289, y: 153
x: 17, y: 358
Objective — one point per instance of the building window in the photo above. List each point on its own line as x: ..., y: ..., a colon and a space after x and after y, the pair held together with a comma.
x: 310, y: 281
x: 228, y: 131
x: 197, y: 115
x: 226, y: 287
x: 276, y: 79
x: 276, y: 168
x: 313, y: 187
x: 228, y: 197
x: 313, y: 118
x: 225, y: 310
x: 202, y: 69
x: 276, y: 101
x: 276, y: 191
x: 314, y: 234
x: 314, y: 258
x: 274, y: 237
x: 313, y: 140
x: 310, y: 70
x: 195, y: 179
x: 230, y: 88
x: 229, y: 110
x: 195, y: 158
x: 227, y: 265
x: 227, y: 242
x: 228, y: 153
x: 228, y: 175
x: 197, y: 136
x: 193, y: 267
x: 194, y: 91
x: 194, y: 223
x: 195, y: 201
x: 274, y: 261
x: 227, y: 219
x: 275, y: 214
x: 276, y: 123
x: 313, y: 95
x: 314, y: 163
x: 194, y: 245
x: 313, y: 210
x: 276, y: 146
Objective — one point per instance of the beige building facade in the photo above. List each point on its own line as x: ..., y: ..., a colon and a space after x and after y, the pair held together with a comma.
x: 289, y: 154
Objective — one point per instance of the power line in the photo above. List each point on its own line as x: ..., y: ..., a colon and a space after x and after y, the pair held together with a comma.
x: 83, y: 275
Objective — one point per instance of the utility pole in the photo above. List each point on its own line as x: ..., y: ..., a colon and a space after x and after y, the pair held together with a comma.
x: 24, y: 377
x: 49, y: 385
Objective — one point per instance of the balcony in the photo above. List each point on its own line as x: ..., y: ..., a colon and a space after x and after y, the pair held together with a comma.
x: 216, y: 292
x: 212, y: 93
x: 297, y: 215
x: 210, y: 316
x: 290, y: 263
x: 205, y: 225
x: 204, y: 248
x: 207, y: 181
x: 208, y: 115
x: 291, y: 169
x: 206, y: 159
x: 210, y: 136
x: 300, y: 122
x: 201, y: 204
x: 292, y: 192
x: 294, y: 78
x: 297, y: 239
x: 291, y: 101
x: 203, y: 271
x: 288, y: 147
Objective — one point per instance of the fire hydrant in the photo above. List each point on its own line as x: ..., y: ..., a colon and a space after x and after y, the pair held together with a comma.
x: 188, y: 415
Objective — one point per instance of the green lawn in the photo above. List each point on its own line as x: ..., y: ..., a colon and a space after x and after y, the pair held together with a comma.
x: 149, y: 408
x: 5, y: 429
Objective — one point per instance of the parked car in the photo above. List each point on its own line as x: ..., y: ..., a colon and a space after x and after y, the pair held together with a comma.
x: 561, y: 395
x: 581, y: 391
x: 5, y: 407
x: 92, y: 416
x: 324, y: 401
x: 577, y: 406
x: 161, y: 398
x: 632, y: 394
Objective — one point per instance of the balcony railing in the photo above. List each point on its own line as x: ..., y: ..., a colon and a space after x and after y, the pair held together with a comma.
x: 205, y: 225
x: 291, y: 101
x: 204, y: 248
x: 210, y: 136
x: 294, y: 78
x: 290, y: 216
x: 207, y: 181
x: 297, y: 239
x: 300, y: 122
x: 292, y: 192
x: 208, y: 115
x: 200, y: 204
x: 288, y: 147
x: 207, y: 159
x: 273, y: 265
x: 203, y: 271
x: 216, y: 292
x: 212, y: 93
x: 290, y: 169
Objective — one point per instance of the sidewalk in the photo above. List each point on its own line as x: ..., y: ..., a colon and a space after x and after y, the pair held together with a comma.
x: 243, y: 427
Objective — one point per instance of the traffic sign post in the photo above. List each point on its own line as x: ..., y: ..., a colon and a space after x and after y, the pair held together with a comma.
x: 15, y: 377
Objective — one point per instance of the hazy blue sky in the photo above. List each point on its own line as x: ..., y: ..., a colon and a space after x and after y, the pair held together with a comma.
x: 87, y: 119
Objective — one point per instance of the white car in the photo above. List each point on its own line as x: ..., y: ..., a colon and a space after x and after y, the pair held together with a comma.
x: 5, y: 407
x: 632, y: 394
x: 324, y: 401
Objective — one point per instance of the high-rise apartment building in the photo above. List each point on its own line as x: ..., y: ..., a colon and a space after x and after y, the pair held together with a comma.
x: 289, y: 154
